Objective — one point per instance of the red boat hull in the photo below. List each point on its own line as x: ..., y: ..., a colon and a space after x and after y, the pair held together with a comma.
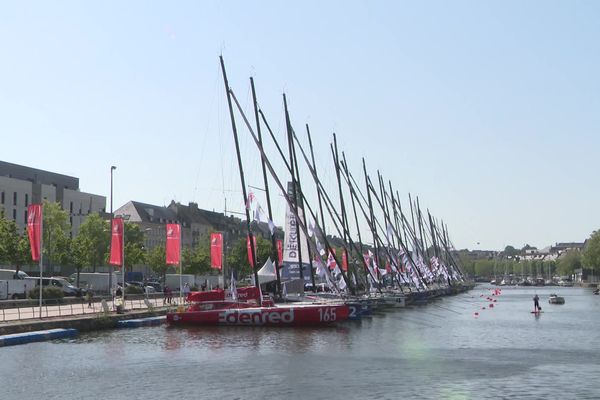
x: 283, y: 315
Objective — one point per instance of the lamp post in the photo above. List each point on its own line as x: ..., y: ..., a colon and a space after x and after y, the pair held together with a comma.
x: 110, y: 268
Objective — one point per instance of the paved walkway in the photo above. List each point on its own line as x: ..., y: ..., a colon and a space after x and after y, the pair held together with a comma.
x: 63, y: 310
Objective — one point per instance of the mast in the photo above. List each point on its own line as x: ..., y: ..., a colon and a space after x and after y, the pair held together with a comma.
x: 294, y: 184
x: 274, y: 253
x: 241, y: 170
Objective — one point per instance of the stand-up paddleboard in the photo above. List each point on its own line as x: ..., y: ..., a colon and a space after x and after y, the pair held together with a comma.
x: 536, y: 312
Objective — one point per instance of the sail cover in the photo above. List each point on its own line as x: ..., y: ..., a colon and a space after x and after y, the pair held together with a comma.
x: 293, y: 235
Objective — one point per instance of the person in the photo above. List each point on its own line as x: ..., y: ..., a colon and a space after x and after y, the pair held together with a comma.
x: 169, y: 295
x: 89, y: 296
x: 165, y: 294
x: 118, y: 292
x: 536, y: 303
x: 186, y: 291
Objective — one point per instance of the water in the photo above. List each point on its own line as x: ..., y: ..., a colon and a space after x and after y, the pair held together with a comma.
x: 438, y: 351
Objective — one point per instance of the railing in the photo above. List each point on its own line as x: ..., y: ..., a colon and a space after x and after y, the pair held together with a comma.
x: 20, y: 310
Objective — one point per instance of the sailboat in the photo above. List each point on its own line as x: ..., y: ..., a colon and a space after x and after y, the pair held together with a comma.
x: 247, y: 306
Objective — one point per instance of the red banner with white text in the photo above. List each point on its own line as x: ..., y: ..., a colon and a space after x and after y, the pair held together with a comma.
x: 345, y: 260
x: 216, y: 250
x: 173, y: 247
x: 34, y: 230
x: 116, y: 242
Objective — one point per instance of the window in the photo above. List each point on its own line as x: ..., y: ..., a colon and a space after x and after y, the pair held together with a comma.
x: 71, y: 208
x: 14, y: 198
x: 2, y: 198
x: 14, y: 215
x: 25, y: 217
x: 26, y: 199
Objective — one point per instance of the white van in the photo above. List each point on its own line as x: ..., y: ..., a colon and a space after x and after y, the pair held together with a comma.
x: 14, y: 285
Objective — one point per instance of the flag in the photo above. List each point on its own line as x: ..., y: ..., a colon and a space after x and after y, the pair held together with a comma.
x: 173, y: 248
x: 116, y: 242
x: 250, y: 250
x: 280, y: 252
x: 331, y: 260
x: 345, y: 260
x: 34, y: 231
x: 216, y: 250
x: 233, y: 288
x: 249, y: 200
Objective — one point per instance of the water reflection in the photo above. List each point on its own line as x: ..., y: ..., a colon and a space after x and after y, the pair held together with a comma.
x: 436, y: 351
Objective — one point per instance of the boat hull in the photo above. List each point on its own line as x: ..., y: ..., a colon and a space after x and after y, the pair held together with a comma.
x: 289, y: 315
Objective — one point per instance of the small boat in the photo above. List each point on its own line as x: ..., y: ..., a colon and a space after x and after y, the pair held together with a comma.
x: 597, y: 291
x: 554, y: 299
x: 212, y: 308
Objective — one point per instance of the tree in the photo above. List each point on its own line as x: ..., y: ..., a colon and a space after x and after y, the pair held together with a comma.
x: 569, y: 262
x: 90, y: 246
x: 238, y: 257
x: 55, y: 223
x: 510, y: 251
x: 134, y: 245
x: 14, y: 248
x: 591, y: 253
x: 157, y: 260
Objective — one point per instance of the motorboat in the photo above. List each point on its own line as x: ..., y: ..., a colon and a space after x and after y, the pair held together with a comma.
x: 555, y: 299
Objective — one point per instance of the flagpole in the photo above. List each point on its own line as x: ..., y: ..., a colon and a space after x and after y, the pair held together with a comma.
x: 123, y: 266
x: 180, y: 269
x: 41, y: 254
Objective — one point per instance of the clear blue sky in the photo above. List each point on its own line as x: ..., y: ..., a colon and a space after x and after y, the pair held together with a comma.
x: 486, y: 110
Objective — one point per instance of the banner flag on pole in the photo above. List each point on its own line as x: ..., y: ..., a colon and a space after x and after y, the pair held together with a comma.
x: 250, y: 250
x: 216, y: 250
x: 34, y: 219
x: 279, y: 253
x: 116, y: 242
x: 173, y: 247
x: 345, y: 260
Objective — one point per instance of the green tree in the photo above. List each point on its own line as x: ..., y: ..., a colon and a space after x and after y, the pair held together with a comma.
x: 55, y: 223
x: 238, y: 256
x: 90, y: 246
x: 591, y: 253
x: 510, y: 251
x: 14, y: 248
x: 157, y: 260
x: 134, y: 245
x: 569, y: 262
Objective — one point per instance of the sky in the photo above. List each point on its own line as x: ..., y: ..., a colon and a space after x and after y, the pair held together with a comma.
x: 487, y: 111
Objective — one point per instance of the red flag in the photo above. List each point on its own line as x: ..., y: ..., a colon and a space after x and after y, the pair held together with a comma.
x: 216, y: 250
x: 34, y: 231
x: 345, y: 260
x: 116, y: 242
x: 330, y: 260
x: 173, y: 247
x: 250, y: 250
x: 280, y: 252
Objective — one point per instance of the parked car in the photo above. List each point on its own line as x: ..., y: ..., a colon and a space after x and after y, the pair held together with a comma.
x: 145, y: 287
x: 156, y: 285
x: 67, y: 288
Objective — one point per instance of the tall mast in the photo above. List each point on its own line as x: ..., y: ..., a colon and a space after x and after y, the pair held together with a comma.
x: 294, y: 184
x: 241, y: 169
x: 274, y: 253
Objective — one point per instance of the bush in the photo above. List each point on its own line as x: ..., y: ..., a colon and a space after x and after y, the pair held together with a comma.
x: 49, y: 292
x: 134, y: 290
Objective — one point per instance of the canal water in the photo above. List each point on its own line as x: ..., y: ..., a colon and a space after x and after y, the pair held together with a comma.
x: 438, y: 351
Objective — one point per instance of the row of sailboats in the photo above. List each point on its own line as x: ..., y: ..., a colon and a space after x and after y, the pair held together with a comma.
x: 407, y: 261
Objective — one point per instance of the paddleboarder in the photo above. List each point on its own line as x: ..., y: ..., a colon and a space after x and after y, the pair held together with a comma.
x: 536, y: 303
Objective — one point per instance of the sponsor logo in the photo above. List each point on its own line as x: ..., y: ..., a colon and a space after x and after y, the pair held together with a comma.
x: 255, y: 317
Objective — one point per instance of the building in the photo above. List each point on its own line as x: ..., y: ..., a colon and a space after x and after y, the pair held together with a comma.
x: 196, y: 223
x: 21, y: 186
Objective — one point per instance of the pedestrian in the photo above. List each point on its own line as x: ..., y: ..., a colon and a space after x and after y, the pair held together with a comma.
x: 165, y: 294
x: 169, y: 295
x: 186, y: 291
x: 89, y: 296
x: 536, y: 303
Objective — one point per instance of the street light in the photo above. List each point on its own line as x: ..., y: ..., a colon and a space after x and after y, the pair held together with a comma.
x: 110, y: 268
